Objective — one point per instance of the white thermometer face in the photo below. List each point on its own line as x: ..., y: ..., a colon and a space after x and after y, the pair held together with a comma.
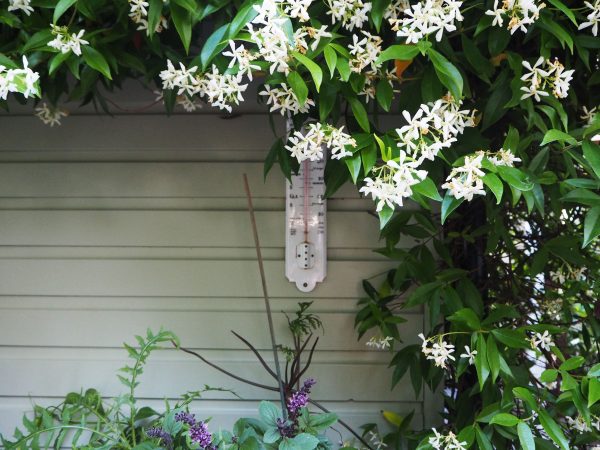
x: 306, y: 226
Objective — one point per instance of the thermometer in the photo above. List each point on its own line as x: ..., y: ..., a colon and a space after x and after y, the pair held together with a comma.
x: 306, y: 226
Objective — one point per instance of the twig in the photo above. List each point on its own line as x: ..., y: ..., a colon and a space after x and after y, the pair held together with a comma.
x: 226, y: 372
x: 258, y: 356
x: 266, y: 296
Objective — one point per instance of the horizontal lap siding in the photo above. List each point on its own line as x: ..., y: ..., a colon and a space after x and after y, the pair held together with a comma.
x: 112, y: 225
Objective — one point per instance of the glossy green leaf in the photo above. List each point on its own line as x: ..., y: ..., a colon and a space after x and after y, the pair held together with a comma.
x: 481, y: 362
x: 360, y: 114
x: 553, y: 430
x: 298, y: 86
x: 213, y: 45
x: 61, y: 7
x: 525, y: 436
x: 504, y: 419
x: 557, y: 136
x: 428, y: 189
x: 495, y: 184
x: 447, y: 73
x: 402, y: 52
x: 313, y: 68
x: 591, y: 152
x: 330, y: 58
x: 593, y: 391
x: 449, y: 204
x: 182, y: 19
x: 354, y: 164
x: 95, y: 60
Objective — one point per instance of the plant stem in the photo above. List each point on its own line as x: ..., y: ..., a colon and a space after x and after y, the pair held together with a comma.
x: 266, y: 296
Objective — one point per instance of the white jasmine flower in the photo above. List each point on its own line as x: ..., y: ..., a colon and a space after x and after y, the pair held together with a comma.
x: 428, y: 17
x: 376, y: 441
x: 66, y: 43
x: 395, y: 10
x: 588, y: 115
x: 438, y: 350
x: 267, y: 32
x: 595, y: 138
x: 392, y: 182
x: 465, y: 181
x: 470, y: 354
x: 222, y: 90
x: 243, y: 58
x: 298, y: 9
x: 541, y: 340
x: 519, y: 13
x: 49, y: 115
x: 284, y: 99
x: 578, y: 424
x: 434, y: 126
x: 380, y: 342
x: 365, y: 52
x: 310, y: 144
x: 593, y: 18
x: 552, y: 76
x: 316, y: 34
x: 183, y: 80
x: 22, y: 5
x: 352, y: 13
x: 449, y: 442
x: 504, y: 158
x: 18, y: 80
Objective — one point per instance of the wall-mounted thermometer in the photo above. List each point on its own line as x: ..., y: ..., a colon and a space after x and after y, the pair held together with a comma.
x: 306, y: 226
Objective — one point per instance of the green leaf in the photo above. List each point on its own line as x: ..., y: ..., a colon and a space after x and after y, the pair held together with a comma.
x: 95, y: 60
x: 591, y: 225
x: 526, y: 395
x: 354, y: 165
x: 447, y: 73
x: 572, y: 363
x: 213, y: 45
x: 271, y: 436
x: 313, y: 68
x: 298, y: 86
x: 330, y: 59
x: 60, y: 8
x: 377, y: 11
x: 515, y: 178
x: 427, y: 188
x: 38, y: 40
x: 360, y: 114
x: 511, y: 338
x: 566, y: 11
x: 505, y: 419
x: 154, y: 14
x: 385, y: 215
x: 343, y: 67
x: 591, y: 152
x: 402, y: 52
x: 553, y: 430
x: 554, y: 135
x: 189, y: 5
x: 593, y: 391
x: 483, y: 442
x: 525, y: 436
x: 563, y: 36
x: 481, y: 362
x: 449, y: 204
x: 243, y: 16
x: 57, y: 60
x: 269, y: 413
x: 549, y: 376
x: 305, y: 441
x: 482, y: 66
x: 183, y: 24
x: 495, y: 185
x: 466, y: 316
x: 493, y: 358
x: 384, y: 94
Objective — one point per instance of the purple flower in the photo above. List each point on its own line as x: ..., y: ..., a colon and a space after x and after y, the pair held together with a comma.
x: 200, y: 435
x: 285, y: 428
x: 160, y: 434
x: 308, y: 384
x: 186, y: 418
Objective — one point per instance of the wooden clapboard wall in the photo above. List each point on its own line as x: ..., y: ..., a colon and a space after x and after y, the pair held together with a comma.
x: 112, y: 225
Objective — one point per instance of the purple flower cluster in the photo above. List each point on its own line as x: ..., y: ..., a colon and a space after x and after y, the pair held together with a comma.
x: 161, y: 434
x: 299, y: 399
x: 186, y: 417
x: 198, y: 430
x: 199, y: 434
x: 286, y: 429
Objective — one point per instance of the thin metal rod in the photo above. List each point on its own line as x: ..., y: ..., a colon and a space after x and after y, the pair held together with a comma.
x: 266, y: 296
